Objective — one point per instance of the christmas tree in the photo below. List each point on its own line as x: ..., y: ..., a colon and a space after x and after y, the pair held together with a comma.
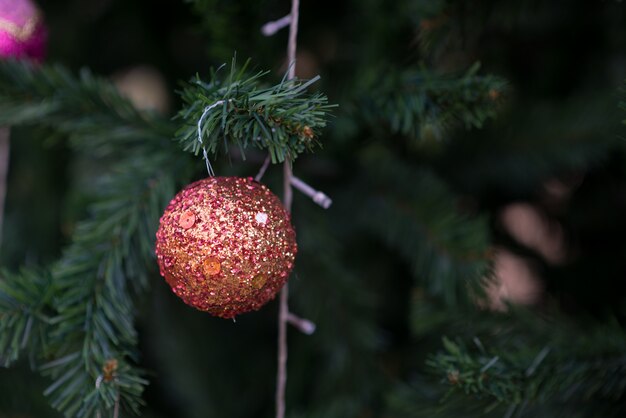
x: 471, y: 262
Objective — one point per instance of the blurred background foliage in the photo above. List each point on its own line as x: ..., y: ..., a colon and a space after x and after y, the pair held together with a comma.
x: 509, y: 184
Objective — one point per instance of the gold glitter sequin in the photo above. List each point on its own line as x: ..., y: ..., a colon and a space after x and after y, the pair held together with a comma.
x: 259, y: 280
x: 213, y: 239
x: 211, y: 266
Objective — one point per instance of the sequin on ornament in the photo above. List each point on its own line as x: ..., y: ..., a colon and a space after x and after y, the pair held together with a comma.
x: 261, y: 218
x: 187, y: 219
x: 225, y: 245
x: 259, y: 280
x: 212, y: 266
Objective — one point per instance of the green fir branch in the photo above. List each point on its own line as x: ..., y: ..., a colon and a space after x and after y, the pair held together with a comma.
x: 87, y: 109
x: 96, y: 280
x: 237, y: 111
x: 24, y: 314
x: 518, y: 370
x: 421, y: 399
x: 88, y: 327
x: 513, y: 364
x: 422, y: 104
x: 415, y: 213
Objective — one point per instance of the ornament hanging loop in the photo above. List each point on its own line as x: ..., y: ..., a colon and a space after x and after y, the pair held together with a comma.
x: 207, y: 109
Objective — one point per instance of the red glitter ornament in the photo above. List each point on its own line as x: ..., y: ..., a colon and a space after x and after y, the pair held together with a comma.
x: 225, y: 245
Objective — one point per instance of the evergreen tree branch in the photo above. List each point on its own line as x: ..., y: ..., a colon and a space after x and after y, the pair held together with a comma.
x: 449, y: 252
x: 421, y: 399
x: 88, y: 327
x: 519, y: 367
x: 283, y: 119
x: 93, y: 334
x: 24, y: 315
x: 422, y: 104
x: 87, y: 109
x: 510, y: 364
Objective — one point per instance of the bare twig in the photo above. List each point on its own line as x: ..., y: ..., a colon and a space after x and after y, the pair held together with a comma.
x: 116, y: 408
x: 287, y: 180
x: 5, y: 146
x: 293, y: 36
x: 270, y: 28
x: 263, y: 169
x: 318, y: 197
x: 283, y: 313
x: 304, y: 325
x: 281, y: 374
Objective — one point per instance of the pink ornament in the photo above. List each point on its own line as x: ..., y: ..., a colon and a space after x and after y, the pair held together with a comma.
x: 225, y: 245
x: 22, y: 31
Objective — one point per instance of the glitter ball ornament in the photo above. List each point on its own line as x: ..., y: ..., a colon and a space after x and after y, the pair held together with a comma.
x: 22, y: 31
x: 225, y: 245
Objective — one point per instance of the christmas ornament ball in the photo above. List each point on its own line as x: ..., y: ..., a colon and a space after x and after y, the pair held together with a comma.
x: 225, y: 245
x: 22, y: 31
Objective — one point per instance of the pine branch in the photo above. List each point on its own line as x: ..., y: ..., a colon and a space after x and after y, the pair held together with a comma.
x: 415, y: 214
x: 514, y: 364
x: 421, y: 104
x: 24, y: 317
x: 421, y: 399
x: 89, y: 110
x: 519, y: 369
x: 283, y: 119
x: 93, y: 334
x: 89, y: 327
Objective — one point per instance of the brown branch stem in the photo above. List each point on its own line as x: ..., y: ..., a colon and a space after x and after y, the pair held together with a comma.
x: 263, y: 169
x: 317, y: 196
x: 283, y: 311
x: 303, y: 325
x: 281, y: 375
x: 283, y: 314
x: 293, y: 35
